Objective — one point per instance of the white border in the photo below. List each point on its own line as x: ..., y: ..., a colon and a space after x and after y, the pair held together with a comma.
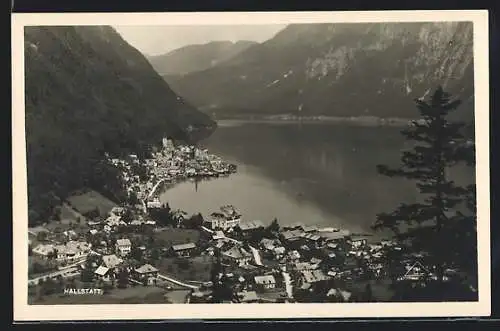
x: 25, y: 312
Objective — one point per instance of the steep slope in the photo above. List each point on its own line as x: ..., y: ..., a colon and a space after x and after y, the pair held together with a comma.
x: 89, y: 93
x: 197, y: 57
x: 356, y: 69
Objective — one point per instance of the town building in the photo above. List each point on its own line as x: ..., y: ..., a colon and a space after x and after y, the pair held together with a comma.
x: 111, y: 261
x: 43, y: 251
x: 123, y: 246
x: 73, y: 250
x: 237, y: 255
x: 103, y: 273
x: 227, y: 218
x: 249, y: 226
x: 184, y: 250
x: 155, y: 203
x: 265, y: 282
x: 146, y: 273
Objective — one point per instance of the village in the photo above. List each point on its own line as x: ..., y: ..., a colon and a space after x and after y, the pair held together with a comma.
x: 145, y: 252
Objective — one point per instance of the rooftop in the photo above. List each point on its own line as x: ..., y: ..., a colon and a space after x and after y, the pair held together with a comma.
x: 123, y: 242
x: 101, y: 271
x: 146, y: 268
x: 251, y: 225
x: 246, y: 296
x: 183, y: 246
x: 265, y: 279
x: 237, y: 253
x: 111, y: 261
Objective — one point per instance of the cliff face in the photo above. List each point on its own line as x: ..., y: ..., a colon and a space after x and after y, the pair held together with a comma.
x: 89, y: 93
x: 339, y: 70
x: 194, y: 58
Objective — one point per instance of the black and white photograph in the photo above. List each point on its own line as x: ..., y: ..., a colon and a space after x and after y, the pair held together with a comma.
x: 200, y: 161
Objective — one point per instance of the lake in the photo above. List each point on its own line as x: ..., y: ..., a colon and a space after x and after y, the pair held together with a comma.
x: 315, y: 173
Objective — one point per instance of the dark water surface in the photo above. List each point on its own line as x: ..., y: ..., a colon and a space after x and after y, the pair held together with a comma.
x: 317, y: 173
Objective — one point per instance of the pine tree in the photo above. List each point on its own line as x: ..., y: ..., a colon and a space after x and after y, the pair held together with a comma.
x: 431, y: 226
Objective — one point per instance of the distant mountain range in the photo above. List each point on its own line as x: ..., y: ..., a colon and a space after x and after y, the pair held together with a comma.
x: 88, y: 93
x: 193, y: 58
x: 355, y: 69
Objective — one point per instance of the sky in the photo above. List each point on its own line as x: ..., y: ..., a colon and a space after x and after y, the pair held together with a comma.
x: 155, y: 40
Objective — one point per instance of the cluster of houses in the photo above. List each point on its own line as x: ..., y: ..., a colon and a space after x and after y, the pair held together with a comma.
x: 170, y: 164
x: 261, y: 265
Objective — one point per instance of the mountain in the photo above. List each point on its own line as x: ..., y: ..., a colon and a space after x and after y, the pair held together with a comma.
x: 193, y: 58
x: 348, y: 69
x: 88, y: 93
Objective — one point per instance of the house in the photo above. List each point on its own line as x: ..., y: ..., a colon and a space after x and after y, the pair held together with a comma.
x: 117, y: 210
x: 358, y: 243
x: 265, y: 282
x: 73, y: 250
x: 237, y: 255
x: 268, y: 244
x: 184, y: 250
x: 146, y: 273
x: 111, y: 261
x: 313, y: 276
x: 71, y: 234
x: 123, y: 246
x: 293, y: 255
x: 218, y: 235
x: 93, y: 232
x: 335, y: 236
x: 155, y: 203
x: 279, y: 252
x: 291, y: 235
x: 44, y: 251
x: 227, y: 218
x: 310, y: 228
x: 247, y: 297
x: 302, y: 266
x: 103, y: 273
x: 249, y: 226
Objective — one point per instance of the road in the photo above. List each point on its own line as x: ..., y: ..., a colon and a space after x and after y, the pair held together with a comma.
x: 177, y: 282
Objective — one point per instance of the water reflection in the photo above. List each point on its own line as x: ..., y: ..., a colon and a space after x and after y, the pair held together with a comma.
x: 309, y: 173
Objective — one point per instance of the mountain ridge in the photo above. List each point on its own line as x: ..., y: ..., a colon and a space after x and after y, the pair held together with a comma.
x: 89, y: 93
x: 345, y: 69
x: 197, y: 57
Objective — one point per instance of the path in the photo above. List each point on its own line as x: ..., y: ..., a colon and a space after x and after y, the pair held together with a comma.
x: 153, y: 190
x: 64, y: 273
x: 178, y: 282
x: 288, y: 284
x: 256, y: 256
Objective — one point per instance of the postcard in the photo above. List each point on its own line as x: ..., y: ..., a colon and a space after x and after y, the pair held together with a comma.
x: 250, y: 165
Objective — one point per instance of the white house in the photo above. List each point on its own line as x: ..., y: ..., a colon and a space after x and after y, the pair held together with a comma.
x: 43, y: 251
x: 123, y: 246
x: 227, y: 218
x: 265, y: 282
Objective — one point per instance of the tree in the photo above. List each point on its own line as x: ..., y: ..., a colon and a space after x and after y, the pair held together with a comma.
x: 41, y: 236
x: 438, y: 145
x: 274, y: 227
x: 127, y: 216
x: 194, y: 222
x: 136, y: 253
x: 122, y: 278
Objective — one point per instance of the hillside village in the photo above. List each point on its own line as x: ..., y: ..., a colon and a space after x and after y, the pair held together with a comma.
x: 142, y: 251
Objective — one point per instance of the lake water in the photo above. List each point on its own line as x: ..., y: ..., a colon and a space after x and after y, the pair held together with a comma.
x: 316, y: 173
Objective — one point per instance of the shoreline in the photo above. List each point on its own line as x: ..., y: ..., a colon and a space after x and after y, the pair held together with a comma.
x: 361, y: 121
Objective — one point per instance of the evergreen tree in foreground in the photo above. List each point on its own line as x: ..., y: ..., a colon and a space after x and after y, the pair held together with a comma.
x: 443, y: 224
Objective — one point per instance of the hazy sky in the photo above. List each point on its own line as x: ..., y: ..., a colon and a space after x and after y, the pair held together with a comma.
x: 153, y: 40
